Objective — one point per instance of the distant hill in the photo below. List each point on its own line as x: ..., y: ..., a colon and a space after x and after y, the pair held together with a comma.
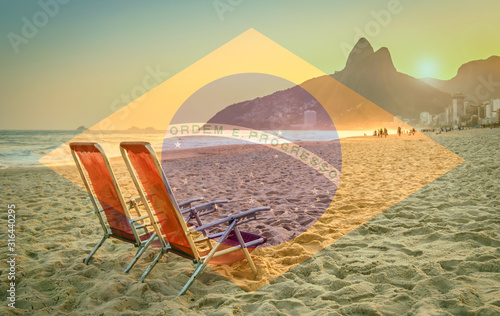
x: 280, y: 110
x: 479, y: 80
x: 373, y: 75
x: 436, y: 83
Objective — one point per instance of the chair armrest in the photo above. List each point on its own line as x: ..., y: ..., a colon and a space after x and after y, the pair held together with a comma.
x: 188, y: 202
x: 204, y: 238
x: 202, y: 207
x: 197, y: 211
x: 230, y: 218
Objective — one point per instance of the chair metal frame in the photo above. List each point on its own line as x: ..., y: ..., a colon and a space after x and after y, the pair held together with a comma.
x: 194, y: 212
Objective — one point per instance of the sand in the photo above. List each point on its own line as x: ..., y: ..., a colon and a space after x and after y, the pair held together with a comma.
x: 401, y: 235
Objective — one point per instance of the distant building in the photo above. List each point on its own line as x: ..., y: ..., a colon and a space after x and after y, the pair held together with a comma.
x: 425, y: 118
x: 458, y: 108
x: 464, y: 112
x: 481, y: 112
x: 474, y: 120
x: 441, y: 119
x: 496, y: 105
x: 309, y: 118
x: 495, y: 109
x: 489, y: 110
x: 472, y: 114
x: 447, y: 115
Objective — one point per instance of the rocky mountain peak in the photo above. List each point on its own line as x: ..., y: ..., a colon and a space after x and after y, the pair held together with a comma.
x: 359, y: 52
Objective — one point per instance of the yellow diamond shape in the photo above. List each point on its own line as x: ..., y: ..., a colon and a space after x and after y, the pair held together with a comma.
x: 369, y: 184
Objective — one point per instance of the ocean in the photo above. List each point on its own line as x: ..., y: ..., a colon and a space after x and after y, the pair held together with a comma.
x: 23, y: 148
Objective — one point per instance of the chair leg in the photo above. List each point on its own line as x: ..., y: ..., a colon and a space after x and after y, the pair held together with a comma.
x: 245, y: 251
x: 99, y: 244
x: 140, y: 252
x: 199, y: 268
x: 152, y: 265
x: 250, y: 261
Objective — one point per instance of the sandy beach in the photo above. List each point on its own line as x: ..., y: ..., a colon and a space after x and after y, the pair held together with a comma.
x: 412, y: 229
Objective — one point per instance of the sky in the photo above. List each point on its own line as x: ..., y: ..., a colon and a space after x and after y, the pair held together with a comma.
x: 66, y: 63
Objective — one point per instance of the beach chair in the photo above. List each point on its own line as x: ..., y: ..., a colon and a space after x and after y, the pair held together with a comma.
x: 107, y: 199
x: 177, y: 235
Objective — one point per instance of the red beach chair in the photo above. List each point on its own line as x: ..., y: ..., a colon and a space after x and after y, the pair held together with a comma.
x: 107, y: 199
x: 232, y: 245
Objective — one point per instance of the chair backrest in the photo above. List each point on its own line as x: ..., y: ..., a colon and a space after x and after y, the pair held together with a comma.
x: 101, y: 184
x: 150, y: 179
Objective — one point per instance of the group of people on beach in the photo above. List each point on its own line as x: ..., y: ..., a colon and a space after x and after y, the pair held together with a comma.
x: 383, y: 132
x: 410, y: 132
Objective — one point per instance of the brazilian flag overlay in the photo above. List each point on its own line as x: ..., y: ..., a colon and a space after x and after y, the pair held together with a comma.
x: 217, y: 137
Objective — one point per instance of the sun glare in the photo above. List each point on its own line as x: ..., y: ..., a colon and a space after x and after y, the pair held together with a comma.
x: 427, y: 68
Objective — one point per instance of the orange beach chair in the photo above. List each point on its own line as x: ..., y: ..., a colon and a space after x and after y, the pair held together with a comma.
x: 177, y: 236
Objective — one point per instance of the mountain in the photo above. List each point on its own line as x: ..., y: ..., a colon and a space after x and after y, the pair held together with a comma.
x: 373, y: 75
x: 479, y: 80
x: 436, y: 83
x: 280, y: 110
x: 368, y: 73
